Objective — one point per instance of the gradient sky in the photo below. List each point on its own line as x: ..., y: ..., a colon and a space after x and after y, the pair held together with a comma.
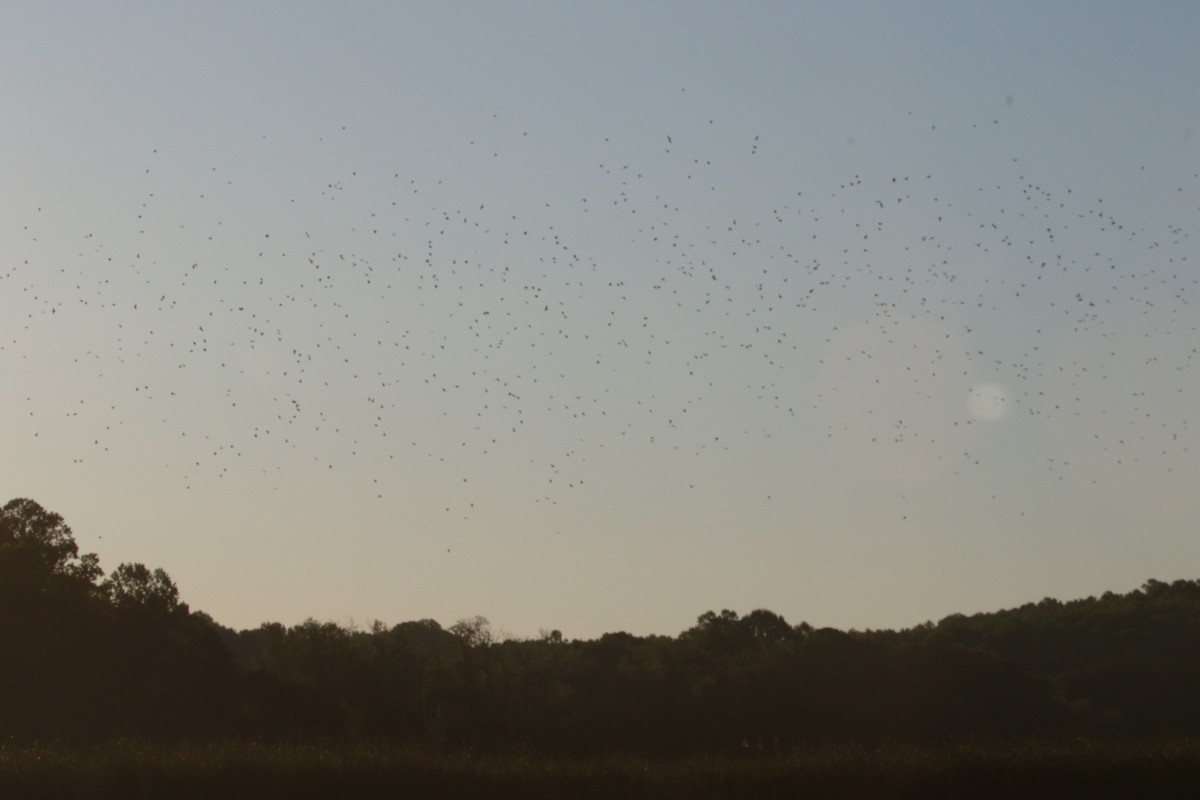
x: 599, y: 316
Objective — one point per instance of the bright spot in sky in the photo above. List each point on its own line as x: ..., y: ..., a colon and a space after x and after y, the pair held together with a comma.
x: 987, y: 402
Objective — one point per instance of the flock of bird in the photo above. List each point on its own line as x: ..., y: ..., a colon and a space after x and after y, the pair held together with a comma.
x: 690, y: 292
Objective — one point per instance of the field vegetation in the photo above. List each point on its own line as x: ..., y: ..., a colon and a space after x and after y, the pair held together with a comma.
x: 241, y: 769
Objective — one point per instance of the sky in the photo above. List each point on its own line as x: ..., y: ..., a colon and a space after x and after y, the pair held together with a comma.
x: 596, y: 317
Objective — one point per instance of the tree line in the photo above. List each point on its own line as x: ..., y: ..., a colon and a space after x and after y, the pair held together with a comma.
x: 85, y: 656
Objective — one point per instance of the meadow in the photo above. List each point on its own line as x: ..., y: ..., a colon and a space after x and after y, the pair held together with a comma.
x: 232, y: 769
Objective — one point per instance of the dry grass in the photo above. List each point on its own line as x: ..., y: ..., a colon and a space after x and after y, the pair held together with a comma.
x: 249, y: 769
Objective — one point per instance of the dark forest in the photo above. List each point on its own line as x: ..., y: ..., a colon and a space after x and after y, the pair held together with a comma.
x: 89, y: 658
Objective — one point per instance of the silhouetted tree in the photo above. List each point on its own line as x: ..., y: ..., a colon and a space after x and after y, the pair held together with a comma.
x: 134, y: 587
x: 51, y: 625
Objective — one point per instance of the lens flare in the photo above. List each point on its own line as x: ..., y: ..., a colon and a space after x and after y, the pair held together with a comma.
x: 987, y: 402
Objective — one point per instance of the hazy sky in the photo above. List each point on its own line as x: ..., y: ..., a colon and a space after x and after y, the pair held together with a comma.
x: 597, y: 316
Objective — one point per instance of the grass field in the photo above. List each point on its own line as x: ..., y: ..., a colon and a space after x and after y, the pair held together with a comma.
x: 235, y: 770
